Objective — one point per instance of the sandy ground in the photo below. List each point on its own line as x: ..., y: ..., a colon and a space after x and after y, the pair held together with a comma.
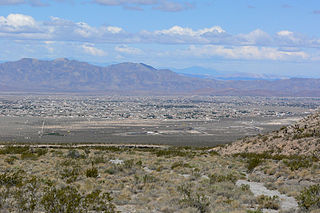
x: 164, y: 132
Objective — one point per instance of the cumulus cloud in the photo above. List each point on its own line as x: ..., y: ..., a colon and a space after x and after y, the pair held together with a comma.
x: 15, y: 23
x: 243, y: 52
x: 128, y: 50
x: 90, y: 49
x: 163, y: 5
x: 215, y: 40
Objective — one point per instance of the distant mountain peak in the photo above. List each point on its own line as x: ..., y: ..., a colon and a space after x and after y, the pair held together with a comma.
x: 61, y: 60
x: 28, y: 60
x: 64, y: 75
x: 148, y: 66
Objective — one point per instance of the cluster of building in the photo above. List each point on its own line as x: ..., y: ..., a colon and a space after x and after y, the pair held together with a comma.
x: 120, y: 107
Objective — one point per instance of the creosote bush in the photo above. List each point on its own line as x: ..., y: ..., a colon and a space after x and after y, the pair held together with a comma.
x: 92, y: 172
x: 68, y: 199
x: 216, y: 178
x: 194, y: 200
x: 309, y: 198
x: 267, y: 202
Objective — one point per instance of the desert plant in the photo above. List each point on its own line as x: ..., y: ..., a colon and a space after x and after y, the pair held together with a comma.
x: 14, y: 150
x: 10, y: 160
x: 309, y: 198
x: 92, y: 172
x: 70, y: 174
x: 267, y: 202
x: 99, y: 202
x: 10, y: 179
x: 180, y: 164
x: 75, y: 154
x: 298, y: 163
x: 26, y: 196
x: 29, y: 156
x: 194, y: 200
x: 66, y: 199
x: 217, y: 178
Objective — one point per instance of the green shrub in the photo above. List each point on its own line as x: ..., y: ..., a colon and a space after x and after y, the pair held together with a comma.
x: 149, y: 179
x: 128, y: 164
x: 174, y: 152
x: 99, y: 202
x: 245, y: 187
x: 10, y: 160
x: 14, y: 150
x: 215, y: 178
x: 41, y: 151
x: 75, y: 154
x: 267, y: 202
x: 92, y: 172
x: 26, y: 197
x: 253, y: 163
x: 309, y: 198
x: 180, y: 164
x: 298, y: 163
x: 10, y: 179
x: 66, y: 199
x: 99, y: 159
x: 70, y: 174
x: 29, y: 156
x: 194, y: 200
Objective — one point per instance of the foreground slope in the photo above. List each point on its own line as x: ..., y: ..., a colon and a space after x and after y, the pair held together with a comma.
x: 302, y: 138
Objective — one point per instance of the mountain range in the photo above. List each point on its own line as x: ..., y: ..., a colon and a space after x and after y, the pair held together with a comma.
x: 63, y: 75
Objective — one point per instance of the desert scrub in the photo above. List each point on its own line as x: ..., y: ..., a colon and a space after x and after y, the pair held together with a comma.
x: 217, y: 178
x: 180, y: 164
x: 174, y: 152
x: 70, y: 174
x: 68, y: 199
x: 75, y: 154
x: 296, y: 164
x: 267, y: 202
x: 309, y: 198
x: 194, y: 200
x: 14, y: 150
x: 92, y: 172
x: 10, y: 160
x: 11, y: 178
x: 29, y: 156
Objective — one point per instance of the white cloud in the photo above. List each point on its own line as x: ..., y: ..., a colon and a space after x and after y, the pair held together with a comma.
x: 90, y: 49
x: 210, y: 41
x: 17, y: 23
x: 177, y: 30
x: 114, y: 30
x: 128, y: 50
x: 285, y: 33
x: 242, y: 52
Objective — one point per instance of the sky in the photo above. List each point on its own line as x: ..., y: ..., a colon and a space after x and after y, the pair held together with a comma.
x: 275, y: 37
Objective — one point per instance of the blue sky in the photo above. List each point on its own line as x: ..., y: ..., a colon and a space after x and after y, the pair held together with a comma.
x: 279, y: 37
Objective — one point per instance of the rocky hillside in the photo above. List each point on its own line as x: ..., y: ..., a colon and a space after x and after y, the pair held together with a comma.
x: 302, y: 138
